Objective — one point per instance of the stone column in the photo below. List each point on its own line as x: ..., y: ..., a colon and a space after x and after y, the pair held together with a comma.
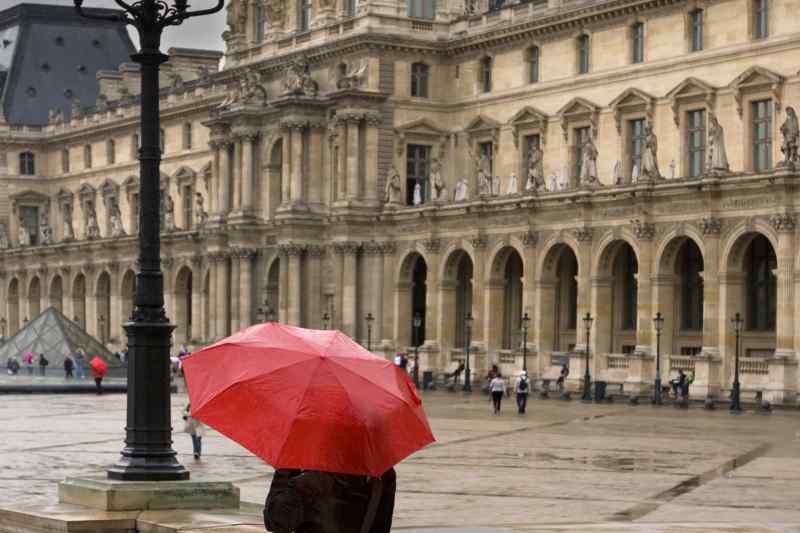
x: 373, y: 121
x: 784, y: 328
x: 435, y: 297
x: 224, y: 185
x: 283, y: 292
x: 248, y: 167
x: 198, y: 320
x: 480, y: 311
x: 388, y: 265
x: 353, y: 172
x: 316, y: 167
x: 584, y: 256
x: 90, y: 299
x: 349, y: 251
x: 297, y: 195
x: 246, y: 287
x: 644, y: 311
x: 234, y: 292
x: 711, y: 290
x: 211, y: 334
x: 731, y: 291
x: 222, y: 299
x: 340, y: 145
x: 601, y: 339
x: 544, y: 322
x: 236, y: 177
x: 286, y: 164
x: 115, y: 318
x: 373, y: 278
x: 167, y: 265
x: 213, y: 185
x: 314, y: 254
x: 293, y: 253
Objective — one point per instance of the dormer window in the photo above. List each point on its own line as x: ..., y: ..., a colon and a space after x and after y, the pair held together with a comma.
x: 422, y: 9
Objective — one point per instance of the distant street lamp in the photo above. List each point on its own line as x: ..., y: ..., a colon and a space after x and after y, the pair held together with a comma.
x: 369, y: 320
x: 467, y: 341
x: 101, y: 325
x: 148, y: 453
x: 587, y: 378
x: 417, y: 340
x: 658, y: 321
x: 738, y: 324
x: 326, y: 320
x: 526, y: 320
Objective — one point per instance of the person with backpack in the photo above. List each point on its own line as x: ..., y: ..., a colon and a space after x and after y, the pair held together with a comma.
x: 43, y: 362
x: 497, y: 388
x: 195, y: 429
x: 68, y: 367
x: 523, y: 389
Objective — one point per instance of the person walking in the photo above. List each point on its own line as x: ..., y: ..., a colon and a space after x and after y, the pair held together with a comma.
x: 98, y: 373
x: 497, y: 387
x: 43, y: 362
x: 80, y: 361
x: 678, y: 383
x: 195, y: 429
x: 68, y: 367
x: 562, y: 377
x: 27, y: 360
x: 523, y: 389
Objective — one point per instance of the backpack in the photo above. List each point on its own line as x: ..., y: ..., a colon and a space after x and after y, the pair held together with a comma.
x: 523, y: 385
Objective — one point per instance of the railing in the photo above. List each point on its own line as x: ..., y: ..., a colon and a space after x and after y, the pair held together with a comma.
x: 685, y: 362
x: 615, y: 361
x: 754, y: 365
x: 417, y: 25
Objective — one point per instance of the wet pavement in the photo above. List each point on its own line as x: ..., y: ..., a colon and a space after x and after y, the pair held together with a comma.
x: 564, y: 466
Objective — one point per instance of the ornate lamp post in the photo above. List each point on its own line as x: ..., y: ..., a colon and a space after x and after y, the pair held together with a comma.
x: 587, y: 378
x: 369, y: 318
x: 526, y: 320
x: 738, y: 324
x: 417, y: 325
x: 326, y: 320
x: 467, y: 342
x: 658, y: 321
x: 148, y: 453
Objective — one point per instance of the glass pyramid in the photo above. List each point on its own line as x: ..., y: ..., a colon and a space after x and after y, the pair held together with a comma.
x: 56, y: 336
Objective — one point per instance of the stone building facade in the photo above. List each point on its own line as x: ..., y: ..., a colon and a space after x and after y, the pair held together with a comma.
x: 448, y: 160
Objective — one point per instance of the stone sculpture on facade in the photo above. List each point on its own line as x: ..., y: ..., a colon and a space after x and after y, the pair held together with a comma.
x: 23, y: 235
x: 55, y: 116
x: 168, y: 209
x: 350, y: 74
x: 297, y: 80
x: 483, y: 165
x: 553, y: 183
x: 717, y: 156
x: 636, y: 173
x: 236, y: 17
x: 76, y: 110
x: 438, y: 188
x: 117, y: 228
x: 4, y: 244
x: 535, y: 169
x: 251, y: 90
x: 417, y: 197
x: 69, y: 231
x: 616, y: 173
x: 790, y: 130
x: 202, y: 214
x: 650, y: 155
x: 461, y: 193
x: 588, y: 176
x: 496, y: 186
x: 276, y: 13
x: 45, y: 231
x: 672, y: 169
x: 92, y: 228
x: 392, y: 189
x: 512, y: 185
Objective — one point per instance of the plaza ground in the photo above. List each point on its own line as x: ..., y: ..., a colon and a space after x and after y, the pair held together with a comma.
x: 565, y: 466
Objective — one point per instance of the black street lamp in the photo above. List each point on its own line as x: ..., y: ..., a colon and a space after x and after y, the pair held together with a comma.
x: 526, y: 320
x: 738, y: 324
x: 467, y: 342
x: 587, y: 378
x: 101, y: 323
x: 148, y: 453
x: 326, y: 320
x: 417, y: 326
x: 658, y: 321
x: 369, y: 320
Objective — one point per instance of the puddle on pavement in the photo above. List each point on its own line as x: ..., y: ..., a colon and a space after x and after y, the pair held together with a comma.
x: 651, y: 504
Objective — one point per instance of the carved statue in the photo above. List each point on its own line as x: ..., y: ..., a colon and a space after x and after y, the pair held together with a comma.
x: 55, y: 116
x: 168, y: 211
x: 553, y: 183
x: 461, y: 192
x: 276, y: 13
x: 790, y: 130
x: 101, y: 103
x: 484, y: 172
x: 616, y: 173
x: 77, y: 110
x: 438, y: 189
x: 496, y: 186
x: 45, y: 231
x: 672, y: 169
x: 23, y: 235
x: 349, y: 74
x: 202, y: 215
x: 236, y: 18
x: 470, y: 7
x: 391, y: 194
x: 563, y: 179
x: 250, y: 89
x: 69, y: 231
x: 717, y: 157
x: 511, y: 186
x: 636, y: 173
x: 4, y: 244
x: 117, y: 228
x: 588, y: 175
x: 92, y: 229
x: 535, y: 170
x: 417, y: 199
x: 297, y: 80
x: 650, y: 154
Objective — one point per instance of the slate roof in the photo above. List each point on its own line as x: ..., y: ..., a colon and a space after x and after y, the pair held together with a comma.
x: 49, y: 55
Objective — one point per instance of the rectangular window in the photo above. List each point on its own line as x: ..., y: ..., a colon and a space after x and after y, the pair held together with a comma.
x: 583, y: 54
x: 259, y: 23
x: 487, y: 149
x: 581, y: 135
x: 187, y: 207
x: 696, y: 142
x: 762, y: 135
x: 531, y: 143
x: 29, y: 218
x: 637, y: 41
x: 418, y: 167
x: 422, y: 9
x: 419, y: 80
x: 533, y: 64
x: 303, y: 15
x: 65, y: 161
x: 636, y: 140
x: 87, y: 156
x: 760, y: 19
x: 486, y: 74
x: 27, y: 164
x: 696, y: 30
x: 187, y: 136
x: 111, y: 152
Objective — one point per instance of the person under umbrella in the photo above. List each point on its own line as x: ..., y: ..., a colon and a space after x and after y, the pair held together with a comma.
x: 99, y: 370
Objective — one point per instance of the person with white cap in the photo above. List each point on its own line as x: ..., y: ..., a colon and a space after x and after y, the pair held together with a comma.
x: 523, y: 389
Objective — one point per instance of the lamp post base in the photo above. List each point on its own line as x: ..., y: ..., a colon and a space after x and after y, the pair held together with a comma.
x: 736, y: 407
x: 587, y: 389
x: 657, y: 400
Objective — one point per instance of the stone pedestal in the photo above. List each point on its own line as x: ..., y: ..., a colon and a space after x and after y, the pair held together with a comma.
x: 782, y: 379
x: 577, y: 370
x: 706, y: 375
x: 641, y: 374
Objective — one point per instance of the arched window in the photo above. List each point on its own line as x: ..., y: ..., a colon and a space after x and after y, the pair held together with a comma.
x: 419, y: 80
x: 87, y: 156
x: 533, y: 64
x: 27, y: 163
x: 187, y: 136
x: 65, y: 160
x: 583, y: 54
x: 486, y: 74
x: 761, y: 285
x: 111, y: 152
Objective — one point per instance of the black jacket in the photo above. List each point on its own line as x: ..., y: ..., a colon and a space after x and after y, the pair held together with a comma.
x: 320, y: 502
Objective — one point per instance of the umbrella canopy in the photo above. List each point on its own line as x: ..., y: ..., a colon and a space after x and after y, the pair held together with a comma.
x: 98, y: 366
x: 307, y: 399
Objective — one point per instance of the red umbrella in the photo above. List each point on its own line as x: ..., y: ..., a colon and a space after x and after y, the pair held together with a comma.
x: 307, y: 399
x: 99, y: 367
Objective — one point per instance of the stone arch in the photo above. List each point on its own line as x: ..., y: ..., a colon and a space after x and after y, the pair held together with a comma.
x: 551, y: 254
x: 557, y: 296
x: 273, y: 285
x: 56, y: 293
x: 411, y: 290
x: 615, y: 294
x: 739, y: 238
x: 79, y: 299
x: 451, y: 257
x: 456, y: 298
x: 607, y: 248
x: 34, y: 297
x: 102, y: 294
x: 183, y: 304
x: 505, y: 286
x: 668, y: 247
x: 12, y: 306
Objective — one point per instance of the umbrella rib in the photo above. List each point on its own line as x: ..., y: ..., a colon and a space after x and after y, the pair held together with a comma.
x: 399, y: 397
x: 354, y: 410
